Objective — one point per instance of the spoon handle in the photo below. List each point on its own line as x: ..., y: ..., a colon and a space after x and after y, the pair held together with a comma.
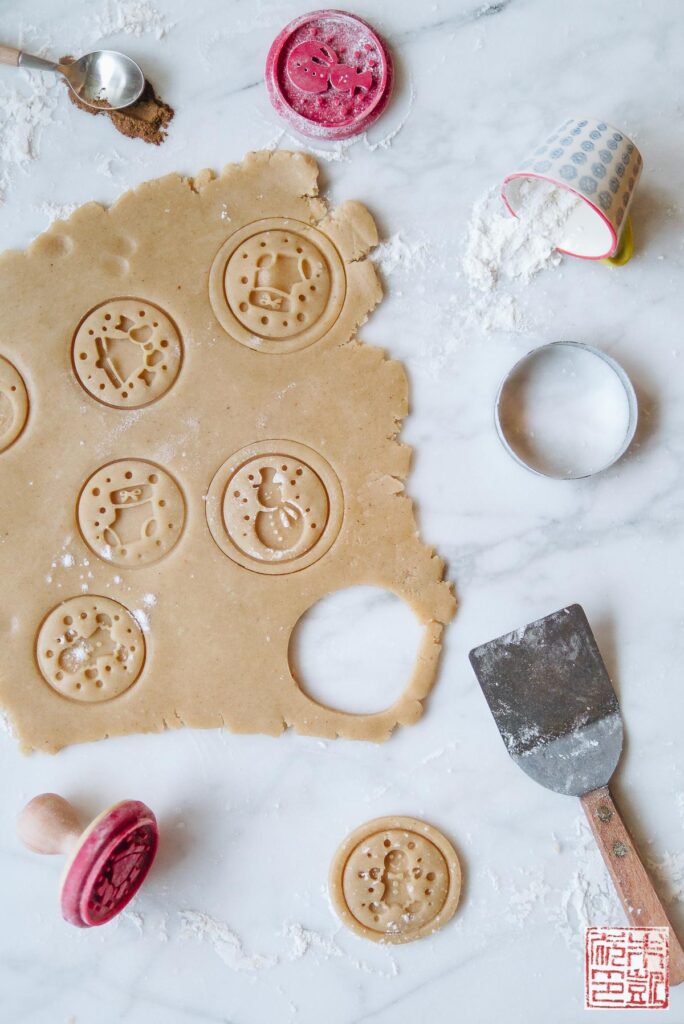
x: 27, y: 60
x: 9, y: 55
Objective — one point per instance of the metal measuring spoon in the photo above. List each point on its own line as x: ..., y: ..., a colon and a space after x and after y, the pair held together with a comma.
x: 104, y: 78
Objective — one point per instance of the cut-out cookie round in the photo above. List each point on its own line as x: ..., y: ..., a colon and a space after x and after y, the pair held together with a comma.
x: 275, y: 507
x: 90, y: 649
x: 277, y: 285
x: 127, y: 353
x: 395, y: 879
x: 14, y: 404
x: 131, y: 512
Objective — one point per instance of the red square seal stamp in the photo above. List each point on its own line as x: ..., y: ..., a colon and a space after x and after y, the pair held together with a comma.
x: 627, y: 968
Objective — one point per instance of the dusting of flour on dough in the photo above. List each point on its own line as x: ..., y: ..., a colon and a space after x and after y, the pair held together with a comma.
x: 6, y: 724
x: 503, y: 253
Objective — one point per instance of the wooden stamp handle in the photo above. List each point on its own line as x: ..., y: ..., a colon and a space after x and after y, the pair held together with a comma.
x: 49, y: 824
x: 632, y: 883
x: 9, y: 55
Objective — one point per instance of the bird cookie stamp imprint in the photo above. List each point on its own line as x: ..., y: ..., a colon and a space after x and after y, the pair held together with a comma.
x: 277, y: 286
x: 275, y: 507
x: 90, y: 649
x: 127, y: 353
x: 14, y: 404
x: 626, y: 968
x: 131, y: 512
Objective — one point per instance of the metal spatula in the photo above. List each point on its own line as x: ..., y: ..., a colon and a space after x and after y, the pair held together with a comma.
x: 558, y: 715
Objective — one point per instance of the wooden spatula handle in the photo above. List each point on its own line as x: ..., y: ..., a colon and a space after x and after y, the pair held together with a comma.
x: 9, y: 55
x: 632, y: 883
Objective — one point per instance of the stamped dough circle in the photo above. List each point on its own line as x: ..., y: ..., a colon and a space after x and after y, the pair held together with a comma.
x: 127, y: 353
x: 14, y: 404
x: 275, y: 507
x: 131, y: 512
x: 277, y: 285
x: 90, y: 649
x: 395, y: 879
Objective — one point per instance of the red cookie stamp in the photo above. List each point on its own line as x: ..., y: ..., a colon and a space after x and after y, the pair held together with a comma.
x: 329, y: 75
x: 627, y: 968
x: 106, y: 864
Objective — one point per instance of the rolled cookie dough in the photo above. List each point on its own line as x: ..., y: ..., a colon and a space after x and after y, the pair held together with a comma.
x: 204, y: 444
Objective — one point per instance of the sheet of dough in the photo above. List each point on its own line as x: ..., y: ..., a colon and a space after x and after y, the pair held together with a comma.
x: 212, y: 617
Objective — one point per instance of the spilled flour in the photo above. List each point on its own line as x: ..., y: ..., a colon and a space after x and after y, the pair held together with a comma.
x: 132, y: 17
x: 397, y: 254
x: 300, y: 941
x: 26, y: 110
x: 225, y: 943
x: 503, y: 253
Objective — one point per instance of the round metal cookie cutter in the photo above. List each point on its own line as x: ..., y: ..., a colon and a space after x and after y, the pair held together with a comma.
x: 571, y: 441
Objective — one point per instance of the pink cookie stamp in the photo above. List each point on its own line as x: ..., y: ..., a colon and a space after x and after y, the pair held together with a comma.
x: 329, y: 75
x: 107, y: 863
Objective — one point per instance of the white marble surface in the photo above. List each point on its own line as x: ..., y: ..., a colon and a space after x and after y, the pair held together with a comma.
x: 249, y: 823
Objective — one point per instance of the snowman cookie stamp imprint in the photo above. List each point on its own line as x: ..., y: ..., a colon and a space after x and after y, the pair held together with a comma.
x: 131, y: 512
x: 395, y: 879
x: 127, y: 353
x: 277, y: 285
x: 90, y: 649
x: 275, y: 507
x: 14, y: 404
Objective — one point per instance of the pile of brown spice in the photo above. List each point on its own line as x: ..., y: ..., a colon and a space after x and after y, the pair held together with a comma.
x: 147, y: 119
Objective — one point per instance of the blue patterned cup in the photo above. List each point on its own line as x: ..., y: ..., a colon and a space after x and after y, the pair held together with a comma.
x: 601, y: 166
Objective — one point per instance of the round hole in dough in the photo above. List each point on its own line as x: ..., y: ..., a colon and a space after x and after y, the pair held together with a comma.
x: 354, y: 650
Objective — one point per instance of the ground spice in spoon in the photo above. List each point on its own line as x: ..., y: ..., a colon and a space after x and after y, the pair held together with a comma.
x: 147, y: 119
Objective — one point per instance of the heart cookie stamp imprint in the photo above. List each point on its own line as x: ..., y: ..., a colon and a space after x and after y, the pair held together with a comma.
x: 277, y: 285
x: 14, y: 404
x: 127, y: 353
x: 395, y: 879
x: 90, y: 649
x: 275, y: 507
x: 131, y: 512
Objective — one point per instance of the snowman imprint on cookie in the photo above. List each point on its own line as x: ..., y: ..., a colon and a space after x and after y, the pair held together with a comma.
x: 90, y: 649
x: 131, y: 512
x: 277, y: 286
x: 14, y: 404
x: 127, y: 353
x: 275, y: 507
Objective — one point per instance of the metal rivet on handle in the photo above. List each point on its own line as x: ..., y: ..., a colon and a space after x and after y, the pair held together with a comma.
x: 604, y: 813
x: 619, y: 849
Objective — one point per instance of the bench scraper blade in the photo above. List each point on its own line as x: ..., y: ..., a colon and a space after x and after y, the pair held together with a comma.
x: 553, y: 701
